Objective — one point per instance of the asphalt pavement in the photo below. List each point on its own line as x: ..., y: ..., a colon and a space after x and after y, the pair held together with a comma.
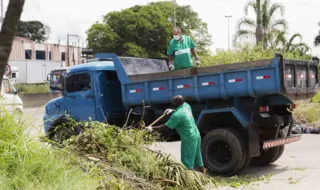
x: 297, y: 169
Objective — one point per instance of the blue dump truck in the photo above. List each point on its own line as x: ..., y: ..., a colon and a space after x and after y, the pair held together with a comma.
x: 243, y: 110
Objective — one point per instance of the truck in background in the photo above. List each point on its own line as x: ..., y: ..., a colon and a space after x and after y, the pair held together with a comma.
x: 243, y: 110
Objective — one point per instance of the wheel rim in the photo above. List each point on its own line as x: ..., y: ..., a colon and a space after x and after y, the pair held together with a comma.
x: 220, y: 153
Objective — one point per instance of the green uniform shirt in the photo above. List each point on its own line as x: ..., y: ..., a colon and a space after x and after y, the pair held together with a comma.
x: 181, y: 52
x: 182, y: 120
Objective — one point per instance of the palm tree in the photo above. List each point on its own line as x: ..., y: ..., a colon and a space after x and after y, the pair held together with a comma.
x: 9, y: 27
x: 278, y: 41
x: 264, y: 22
x: 317, y: 40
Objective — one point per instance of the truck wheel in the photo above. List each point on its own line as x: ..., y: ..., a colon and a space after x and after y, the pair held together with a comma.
x: 270, y: 155
x: 224, y: 152
x: 62, y: 133
x: 266, y: 157
x: 279, y: 154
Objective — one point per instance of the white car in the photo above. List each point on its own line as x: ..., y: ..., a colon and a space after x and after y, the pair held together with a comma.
x: 9, y: 97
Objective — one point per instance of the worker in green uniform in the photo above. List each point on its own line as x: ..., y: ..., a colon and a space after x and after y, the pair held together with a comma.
x: 179, y: 51
x: 182, y: 120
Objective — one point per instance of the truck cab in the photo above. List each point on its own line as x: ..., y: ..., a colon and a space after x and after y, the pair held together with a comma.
x: 91, y: 91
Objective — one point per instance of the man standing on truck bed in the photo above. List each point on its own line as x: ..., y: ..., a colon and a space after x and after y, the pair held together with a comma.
x: 182, y: 120
x: 179, y: 51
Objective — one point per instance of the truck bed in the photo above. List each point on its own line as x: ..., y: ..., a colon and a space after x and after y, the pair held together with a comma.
x: 149, y: 80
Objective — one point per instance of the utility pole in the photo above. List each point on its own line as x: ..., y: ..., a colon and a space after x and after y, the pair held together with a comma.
x: 68, y: 54
x: 228, y: 17
x: 175, y: 13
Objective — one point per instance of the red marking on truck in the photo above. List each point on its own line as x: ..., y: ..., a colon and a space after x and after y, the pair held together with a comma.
x: 235, y: 80
x: 263, y: 77
x: 311, y: 76
x: 158, y: 88
x: 275, y: 143
x: 301, y: 76
x: 208, y: 83
x: 183, y: 86
x: 135, y: 91
x: 288, y: 76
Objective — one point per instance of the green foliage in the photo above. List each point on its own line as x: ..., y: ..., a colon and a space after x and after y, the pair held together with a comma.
x: 145, y: 31
x: 127, y: 151
x: 317, y: 39
x: 308, y: 113
x: 247, y: 52
x: 32, y: 88
x: 33, y: 30
x: 25, y: 164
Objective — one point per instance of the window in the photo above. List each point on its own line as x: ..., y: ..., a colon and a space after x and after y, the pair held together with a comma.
x: 13, y: 75
x: 28, y: 54
x: 78, y: 82
x: 63, y: 56
x: 40, y: 55
x: 111, y: 76
x: 50, y: 58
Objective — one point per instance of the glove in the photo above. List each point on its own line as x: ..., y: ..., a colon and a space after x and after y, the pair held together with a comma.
x: 197, y: 60
x: 149, y: 129
x: 171, y: 66
x: 168, y: 111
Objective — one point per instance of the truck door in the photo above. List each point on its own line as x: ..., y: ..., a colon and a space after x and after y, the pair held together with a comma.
x: 79, y: 96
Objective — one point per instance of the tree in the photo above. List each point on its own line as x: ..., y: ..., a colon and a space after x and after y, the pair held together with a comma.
x: 317, y: 40
x: 145, y: 31
x: 9, y: 26
x: 264, y: 23
x: 33, y: 30
x: 278, y: 41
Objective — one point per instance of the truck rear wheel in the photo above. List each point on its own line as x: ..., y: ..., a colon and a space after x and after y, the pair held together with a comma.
x: 224, y: 152
x: 266, y: 157
x: 269, y: 156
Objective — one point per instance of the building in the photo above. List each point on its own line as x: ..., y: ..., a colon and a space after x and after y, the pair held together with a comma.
x: 25, y: 49
x: 36, y: 60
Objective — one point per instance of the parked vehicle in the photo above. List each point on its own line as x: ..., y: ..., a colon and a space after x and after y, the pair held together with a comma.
x: 14, y: 75
x: 9, y: 97
x: 55, y: 78
x: 242, y: 110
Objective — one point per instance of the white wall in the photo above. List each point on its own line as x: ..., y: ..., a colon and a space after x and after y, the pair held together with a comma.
x: 33, y: 72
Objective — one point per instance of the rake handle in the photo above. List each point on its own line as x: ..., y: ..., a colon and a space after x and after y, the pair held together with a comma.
x: 163, y: 115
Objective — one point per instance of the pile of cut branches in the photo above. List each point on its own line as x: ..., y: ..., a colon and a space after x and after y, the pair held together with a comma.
x: 121, y: 154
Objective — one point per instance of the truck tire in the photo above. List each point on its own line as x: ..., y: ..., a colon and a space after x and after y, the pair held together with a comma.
x: 269, y: 156
x: 224, y: 151
x: 266, y: 157
x: 279, y: 154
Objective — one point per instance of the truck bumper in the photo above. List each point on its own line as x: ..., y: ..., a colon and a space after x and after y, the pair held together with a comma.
x: 281, y: 141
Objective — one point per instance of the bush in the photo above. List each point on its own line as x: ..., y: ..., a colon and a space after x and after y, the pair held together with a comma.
x: 25, y: 164
x: 246, y: 52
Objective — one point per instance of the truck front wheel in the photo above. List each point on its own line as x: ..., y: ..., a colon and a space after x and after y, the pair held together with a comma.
x: 224, y: 151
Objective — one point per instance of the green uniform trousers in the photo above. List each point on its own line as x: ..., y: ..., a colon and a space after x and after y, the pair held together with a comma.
x: 191, y: 153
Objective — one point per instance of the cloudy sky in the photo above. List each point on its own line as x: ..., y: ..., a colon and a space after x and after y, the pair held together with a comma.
x: 76, y: 16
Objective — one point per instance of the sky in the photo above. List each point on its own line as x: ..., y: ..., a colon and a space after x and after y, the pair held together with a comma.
x: 76, y: 16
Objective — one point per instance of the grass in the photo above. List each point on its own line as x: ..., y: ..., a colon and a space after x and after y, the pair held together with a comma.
x: 26, y: 165
x: 308, y: 113
x: 32, y: 88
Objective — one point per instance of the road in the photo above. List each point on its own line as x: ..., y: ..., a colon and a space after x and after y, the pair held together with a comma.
x: 297, y: 169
